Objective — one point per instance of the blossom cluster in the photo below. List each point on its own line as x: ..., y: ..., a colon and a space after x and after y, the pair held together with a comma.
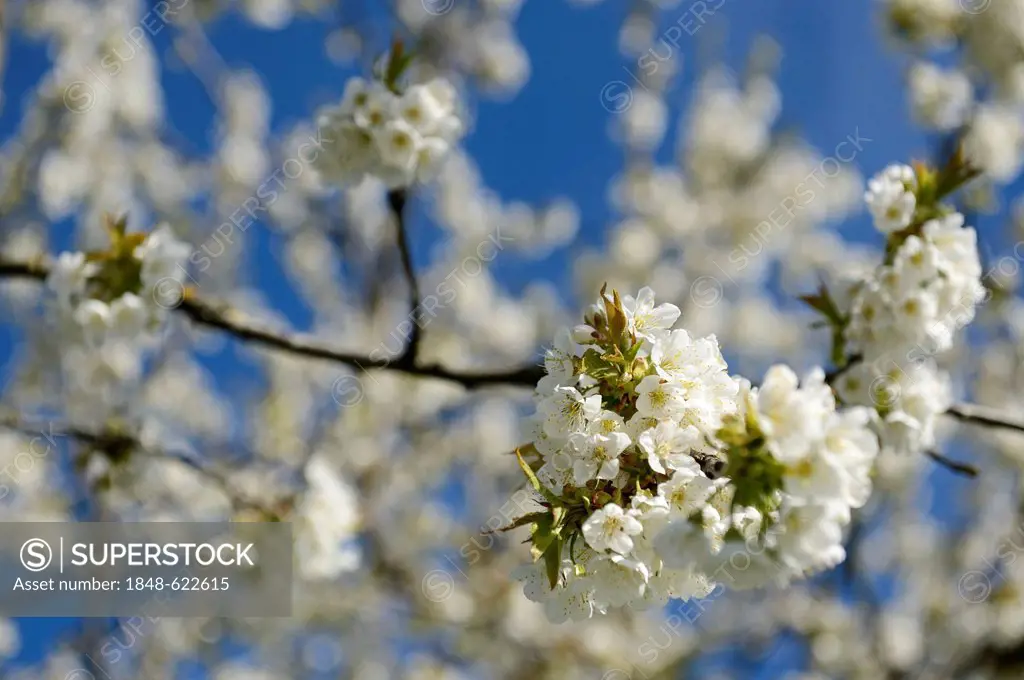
x: 912, y: 305
x: 661, y: 475
x: 398, y: 137
x: 920, y: 299
x: 107, y: 304
x: 908, y: 398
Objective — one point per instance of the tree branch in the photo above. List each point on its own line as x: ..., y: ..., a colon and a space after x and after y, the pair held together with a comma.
x: 231, y: 321
x: 956, y: 467
x: 31, y: 270
x: 397, y: 199
x: 976, y: 414
x: 204, y: 314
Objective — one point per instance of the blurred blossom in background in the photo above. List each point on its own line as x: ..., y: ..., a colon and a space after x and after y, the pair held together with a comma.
x: 717, y: 151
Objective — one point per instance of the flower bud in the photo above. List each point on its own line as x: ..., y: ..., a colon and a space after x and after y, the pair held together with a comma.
x: 584, y: 334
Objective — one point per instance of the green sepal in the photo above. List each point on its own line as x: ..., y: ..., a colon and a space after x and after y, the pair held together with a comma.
x: 399, y: 60
x: 116, y: 228
x: 823, y: 302
x: 532, y: 476
x: 616, y: 317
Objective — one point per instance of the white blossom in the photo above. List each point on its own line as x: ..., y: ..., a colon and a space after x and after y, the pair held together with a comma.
x: 398, y: 138
x: 93, y: 316
x: 163, y: 257
x: 68, y: 277
x: 567, y: 411
x: 942, y: 100
x: 611, y: 528
x: 667, y: 446
x: 657, y: 397
x: 891, y: 199
x: 596, y: 456
x: 995, y: 141
x: 644, y: 317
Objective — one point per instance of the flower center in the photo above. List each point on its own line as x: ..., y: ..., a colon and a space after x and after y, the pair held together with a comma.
x: 679, y: 496
x: 572, y: 411
x: 803, y: 469
x: 611, y: 525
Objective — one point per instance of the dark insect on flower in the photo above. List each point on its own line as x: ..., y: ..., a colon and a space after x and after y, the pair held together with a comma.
x: 712, y: 466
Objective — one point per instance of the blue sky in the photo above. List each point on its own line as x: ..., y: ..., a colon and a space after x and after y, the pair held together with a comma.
x: 837, y: 75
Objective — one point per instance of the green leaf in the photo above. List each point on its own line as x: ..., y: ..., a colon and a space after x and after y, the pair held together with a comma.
x: 824, y: 304
x: 542, y: 537
x: 633, y: 351
x: 531, y: 518
x: 528, y: 471
x: 553, y: 562
x: 540, y: 488
x: 598, y: 366
x: 559, y: 514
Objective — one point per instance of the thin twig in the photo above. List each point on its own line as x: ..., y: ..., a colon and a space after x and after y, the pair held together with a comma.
x: 983, y: 415
x: 956, y: 467
x: 397, y: 200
